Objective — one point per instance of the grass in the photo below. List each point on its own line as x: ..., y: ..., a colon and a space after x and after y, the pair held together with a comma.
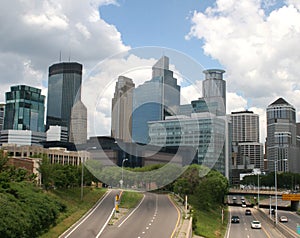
x: 209, y: 223
x: 75, y: 207
x: 130, y: 199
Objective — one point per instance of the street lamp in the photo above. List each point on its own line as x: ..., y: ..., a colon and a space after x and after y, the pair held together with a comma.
x: 121, y: 181
x: 82, y: 172
x: 258, y: 189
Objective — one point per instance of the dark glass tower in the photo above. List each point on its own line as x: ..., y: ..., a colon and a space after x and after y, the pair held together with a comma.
x: 24, y: 109
x: 64, y: 90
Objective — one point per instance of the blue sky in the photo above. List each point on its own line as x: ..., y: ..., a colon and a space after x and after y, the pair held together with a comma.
x: 255, y: 41
x: 159, y: 23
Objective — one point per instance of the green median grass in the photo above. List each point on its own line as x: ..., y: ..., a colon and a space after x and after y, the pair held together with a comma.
x: 130, y: 199
x: 75, y: 207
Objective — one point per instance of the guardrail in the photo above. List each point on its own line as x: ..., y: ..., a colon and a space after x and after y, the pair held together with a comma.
x: 281, y: 228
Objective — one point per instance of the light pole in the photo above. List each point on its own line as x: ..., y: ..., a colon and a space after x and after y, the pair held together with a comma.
x: 82, y: 172
x: 258, y: 189
x: 276, y: 218
x: 121, y: 181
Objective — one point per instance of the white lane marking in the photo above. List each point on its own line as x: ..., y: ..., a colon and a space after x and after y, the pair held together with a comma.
x: 228, y: 232
x: 88, y: 215
x: 131, y: 212
x: 107, y: 221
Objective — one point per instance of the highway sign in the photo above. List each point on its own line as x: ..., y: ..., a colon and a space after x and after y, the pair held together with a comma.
x: 291, y: 197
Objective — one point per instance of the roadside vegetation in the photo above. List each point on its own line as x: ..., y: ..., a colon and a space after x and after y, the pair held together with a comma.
x: 130, y: 199
x: 28, y: 210
x: 206, y: 190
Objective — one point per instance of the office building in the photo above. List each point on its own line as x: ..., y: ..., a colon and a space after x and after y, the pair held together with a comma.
x: 21, y: 137
x: 203, y: 131
x: 245, y: 134
x: 154, y: 100
x: 214, y: 91
x: 282, y: 137
x: 2, y: 110
x: 121, y: 120
x: 24, y: 109
x: 64, y: 90
x: 78, y: 124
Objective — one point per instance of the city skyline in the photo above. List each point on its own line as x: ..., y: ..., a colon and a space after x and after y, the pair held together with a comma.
x: 246, y: 38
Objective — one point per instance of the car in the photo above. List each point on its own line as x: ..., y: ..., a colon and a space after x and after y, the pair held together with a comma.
x: 235, y: 219
x: 248, y: 212
x: 244, y: 204
x: 283, y: 219
x: 255, y: 225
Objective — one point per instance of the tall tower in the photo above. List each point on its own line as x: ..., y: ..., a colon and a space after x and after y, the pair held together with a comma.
x: 24, y: 109
x: 78, y: 124
x: 214, y: 91
x: 2, y: 110
x: 154, y: 100
x: 245, y: 136
x: 121, y: 122
x: 64, y: 90
x: 281, y: 137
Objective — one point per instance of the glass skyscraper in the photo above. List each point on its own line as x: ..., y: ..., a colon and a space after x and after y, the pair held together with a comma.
x: 154, y: 100
x: 64, y: 90
x: 24, y: 109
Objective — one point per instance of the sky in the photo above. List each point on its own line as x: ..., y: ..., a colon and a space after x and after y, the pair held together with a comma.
x: 255, y: 41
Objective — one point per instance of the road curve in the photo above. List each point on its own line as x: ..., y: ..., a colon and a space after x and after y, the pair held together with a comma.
x: 94, y: 222
x: 156, y: 216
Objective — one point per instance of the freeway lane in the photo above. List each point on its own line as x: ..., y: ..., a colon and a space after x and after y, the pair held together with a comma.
x: 91, y: 225
x: 243, y: 229
x: 156, y: 216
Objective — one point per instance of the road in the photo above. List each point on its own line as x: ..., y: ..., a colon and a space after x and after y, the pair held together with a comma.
x: 94, y: 223
x: 156, y: 216
x: 243, y: 229
x: 293, y: 220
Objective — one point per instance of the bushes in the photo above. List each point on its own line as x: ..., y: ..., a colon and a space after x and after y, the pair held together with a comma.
x: 26, y: 211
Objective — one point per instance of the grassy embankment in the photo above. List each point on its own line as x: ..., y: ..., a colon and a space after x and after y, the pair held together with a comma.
x: 75, y: 207
x: 209, y: 223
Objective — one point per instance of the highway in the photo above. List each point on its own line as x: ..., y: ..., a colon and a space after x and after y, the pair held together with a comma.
x: 94, y: 223
x: 243, y: 229
x: 156, y: 216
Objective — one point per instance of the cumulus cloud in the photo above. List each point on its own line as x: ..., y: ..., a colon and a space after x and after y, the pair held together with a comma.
x: 258, y: 48
x: 33, y: 33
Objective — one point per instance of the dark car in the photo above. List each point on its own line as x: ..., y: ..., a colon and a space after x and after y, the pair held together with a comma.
x: 235, y: 219
x: 248, y: 212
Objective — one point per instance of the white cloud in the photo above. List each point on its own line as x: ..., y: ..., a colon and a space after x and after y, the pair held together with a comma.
x: 259, y: 51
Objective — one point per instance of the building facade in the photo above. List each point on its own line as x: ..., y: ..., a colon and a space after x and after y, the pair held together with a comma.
x: 121, y: 120
x: 64, y: 90
x: 204, y: 131
x: 24, y: 109
x: 78, y: 124
x: 2, y: 110
x: 214, y: 91
x: 154, y: 100
x: 282, y: 150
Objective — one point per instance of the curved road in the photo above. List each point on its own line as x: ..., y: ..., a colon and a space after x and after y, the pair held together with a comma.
x: 156, y: 216
x: 91, y: 225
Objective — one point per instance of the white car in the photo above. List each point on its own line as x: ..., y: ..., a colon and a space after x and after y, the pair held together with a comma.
x: 283, y: 219
x: 256, y: 225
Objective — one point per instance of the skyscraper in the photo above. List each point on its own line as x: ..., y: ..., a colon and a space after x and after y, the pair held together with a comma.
x: 214, y: 91
x: 154, y: 100
x: 245, y: 137
x: 64, y: 90
x: 121, y: 122
x: 78, y: 124
x: 24, y: 109
x: 2, y: 110
x: 281, y: 137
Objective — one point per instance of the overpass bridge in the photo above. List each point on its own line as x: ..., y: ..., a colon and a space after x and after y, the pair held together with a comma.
x: 282, y: 196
